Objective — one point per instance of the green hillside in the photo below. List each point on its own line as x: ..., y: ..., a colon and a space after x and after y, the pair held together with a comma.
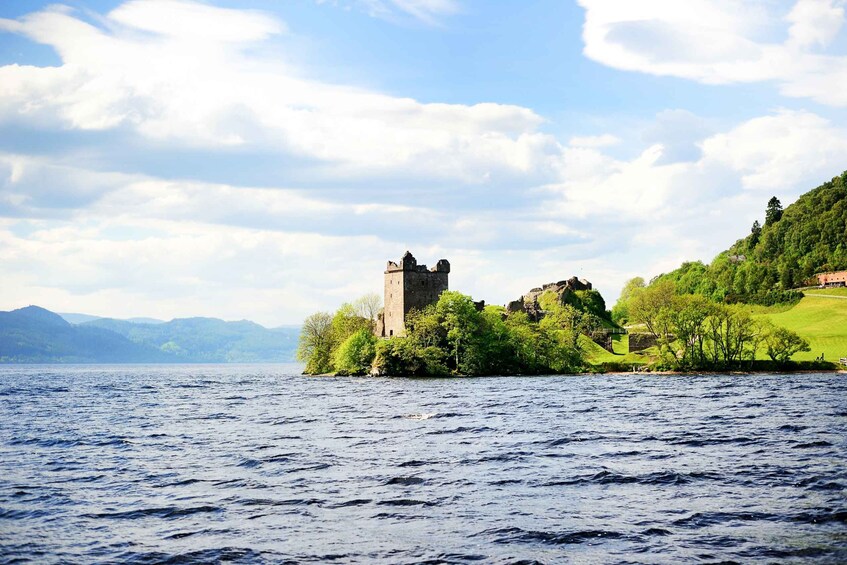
x: 208, y: 340
x: 821, y: 318
x: 36, y: 335
x: 706, y: 315
x: 793, y: 245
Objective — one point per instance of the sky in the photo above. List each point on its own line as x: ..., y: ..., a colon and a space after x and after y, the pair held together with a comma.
x: 263, y: 160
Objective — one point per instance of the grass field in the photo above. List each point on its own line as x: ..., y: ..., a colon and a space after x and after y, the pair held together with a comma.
x: 821, y: 318
x: 597, y: 355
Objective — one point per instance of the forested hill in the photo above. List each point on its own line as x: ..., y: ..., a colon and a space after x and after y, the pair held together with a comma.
x: 36, y: 335
x: 208, y: 340
x: 786, y: 252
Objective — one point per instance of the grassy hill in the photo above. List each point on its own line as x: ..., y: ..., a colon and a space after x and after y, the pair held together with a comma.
x: 821, y: 318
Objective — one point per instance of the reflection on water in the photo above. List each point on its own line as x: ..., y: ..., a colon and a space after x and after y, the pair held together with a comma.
x: 258, y: 464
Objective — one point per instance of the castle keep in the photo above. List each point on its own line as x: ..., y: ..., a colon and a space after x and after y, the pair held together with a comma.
x: 409, y: 286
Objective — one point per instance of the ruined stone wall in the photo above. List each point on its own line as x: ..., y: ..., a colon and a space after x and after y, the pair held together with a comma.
x: 640, y: 342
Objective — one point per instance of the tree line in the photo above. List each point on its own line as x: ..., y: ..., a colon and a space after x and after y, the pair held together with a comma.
x: 794, y: 244
x: 450, y: 337
x: 695, y: 333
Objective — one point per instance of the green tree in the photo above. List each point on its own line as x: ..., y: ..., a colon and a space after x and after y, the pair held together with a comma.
x: 315, y: 344
x: 346, y: 322
x: 734, y: 335
x: 460, y: 318
x: 773, y: 213
x: 620, y: 311
x: 650, y: 307
x: 688, y: 317
x: 400, y: 356
x: 755, y: 233
x: 355, y: 354
x: 782, y: 344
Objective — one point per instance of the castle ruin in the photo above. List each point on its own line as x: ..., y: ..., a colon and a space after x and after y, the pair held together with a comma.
x: 528, y: 303
x: 409, y: 286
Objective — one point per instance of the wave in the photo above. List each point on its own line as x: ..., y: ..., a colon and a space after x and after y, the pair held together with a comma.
x: 519, y: 535
x: 166, y: 512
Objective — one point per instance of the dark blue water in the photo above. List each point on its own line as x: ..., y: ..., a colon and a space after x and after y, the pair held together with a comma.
x: 257, y: 464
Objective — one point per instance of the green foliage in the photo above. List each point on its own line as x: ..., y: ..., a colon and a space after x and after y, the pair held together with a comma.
x: 620, y: 312
x: 355, y: 354
x: 755, y: 233
x: 773, y: 213
x: 401, y: 356
x: 341, y: 342
x: 316, y: 341
x: 453, y: 337
x: 783, y: 344
x: 460, y: 319
x: 346, y: 322
x: 696, y: 333
x: 808, y: 237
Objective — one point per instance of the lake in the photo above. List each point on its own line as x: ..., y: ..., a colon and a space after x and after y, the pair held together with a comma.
x: 255, y: 463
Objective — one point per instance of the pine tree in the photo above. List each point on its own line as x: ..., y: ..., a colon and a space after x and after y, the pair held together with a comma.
x: 774, y: 211
x: 756, y: 232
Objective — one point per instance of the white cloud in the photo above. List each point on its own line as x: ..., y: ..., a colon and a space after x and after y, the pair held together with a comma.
x: 190, y: 21
x: 779, y: 152
x: 604, y: 140
x: 784, y: 152
x: 88, y: 238
x: 723, y: 41
x: 172, y: 88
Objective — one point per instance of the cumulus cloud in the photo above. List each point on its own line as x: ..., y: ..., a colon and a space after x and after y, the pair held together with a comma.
x: 482, y: 184
x: 782, y: 153
x: 723, y: 41
x: 174, y: 86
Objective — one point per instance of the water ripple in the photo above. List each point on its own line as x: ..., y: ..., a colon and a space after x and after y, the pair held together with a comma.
x: 256, y: 464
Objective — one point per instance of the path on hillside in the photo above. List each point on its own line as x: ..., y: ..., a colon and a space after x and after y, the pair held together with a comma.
x: 828, y: 296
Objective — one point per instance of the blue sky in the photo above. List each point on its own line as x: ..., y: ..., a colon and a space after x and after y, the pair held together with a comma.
x: 263, y: 160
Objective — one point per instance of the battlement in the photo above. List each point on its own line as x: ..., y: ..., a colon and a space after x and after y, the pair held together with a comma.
x: 409, y: 286
x: 409, y: 263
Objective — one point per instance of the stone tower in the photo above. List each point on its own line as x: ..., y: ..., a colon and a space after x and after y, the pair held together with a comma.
x: 409, y: 286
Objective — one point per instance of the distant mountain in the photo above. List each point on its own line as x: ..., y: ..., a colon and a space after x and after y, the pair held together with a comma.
x: 36, y: 335
x: 143, y: 320
x: 75, y: 318
x: 209, y: 340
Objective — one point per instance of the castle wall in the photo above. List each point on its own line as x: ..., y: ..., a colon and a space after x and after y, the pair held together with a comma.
x: 410, y: 286
x: 394, y: 309
x: 423, y: 289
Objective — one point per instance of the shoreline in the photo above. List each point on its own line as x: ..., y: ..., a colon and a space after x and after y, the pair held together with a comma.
x: 590, y: 374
